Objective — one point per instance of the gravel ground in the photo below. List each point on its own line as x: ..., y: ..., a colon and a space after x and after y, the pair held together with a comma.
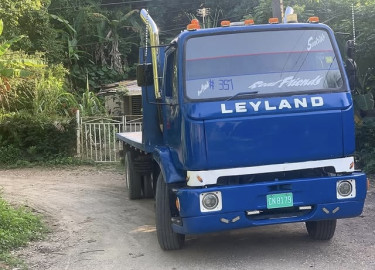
x: 94, y: 226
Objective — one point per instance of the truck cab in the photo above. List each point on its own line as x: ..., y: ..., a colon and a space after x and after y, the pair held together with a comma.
x: 248, y: 125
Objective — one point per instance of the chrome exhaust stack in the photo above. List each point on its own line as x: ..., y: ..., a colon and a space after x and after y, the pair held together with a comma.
x: 154, y: 42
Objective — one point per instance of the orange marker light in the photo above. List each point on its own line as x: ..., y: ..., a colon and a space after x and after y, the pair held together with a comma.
x: 351, y: 165
x: 225, y: 23
x: 249, y: 22
x: 178, y: 206
x: 199, y: 179
x: 313, y: 19
x: 273, y: 20
x: 194, y: 21
x: 192, y: 27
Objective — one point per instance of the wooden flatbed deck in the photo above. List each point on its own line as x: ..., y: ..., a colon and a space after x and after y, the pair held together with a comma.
x: 132, y: 138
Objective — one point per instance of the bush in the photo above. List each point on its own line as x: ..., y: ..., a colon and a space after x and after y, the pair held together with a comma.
x: 9, y: 154
x: 365, y: 145
x: 31, y: 138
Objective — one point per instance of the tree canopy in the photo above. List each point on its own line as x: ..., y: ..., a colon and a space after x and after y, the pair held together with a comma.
x: 99, y: 39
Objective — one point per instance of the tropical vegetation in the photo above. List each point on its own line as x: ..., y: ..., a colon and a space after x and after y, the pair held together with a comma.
x: 55, y: 55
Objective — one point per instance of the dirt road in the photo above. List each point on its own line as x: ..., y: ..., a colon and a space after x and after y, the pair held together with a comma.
x: 94, y: 226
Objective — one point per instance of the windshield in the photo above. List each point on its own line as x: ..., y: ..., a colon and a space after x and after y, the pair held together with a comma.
x: 220, y: 66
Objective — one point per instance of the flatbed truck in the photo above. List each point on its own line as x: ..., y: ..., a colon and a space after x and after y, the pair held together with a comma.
x: 244, y: 125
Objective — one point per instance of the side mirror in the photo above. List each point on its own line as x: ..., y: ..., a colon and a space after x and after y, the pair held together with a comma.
x: 144, y: 75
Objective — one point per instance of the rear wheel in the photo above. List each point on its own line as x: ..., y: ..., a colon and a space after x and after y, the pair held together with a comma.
x: 132, y: 178
x: 168, y: 240
x: 321, y: 230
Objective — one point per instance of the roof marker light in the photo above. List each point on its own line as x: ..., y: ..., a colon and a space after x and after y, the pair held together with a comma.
x: 225, y: 23
x: 194, y: 21
x: 249, y: 22
x: 192, y: 27
x: 313, y: 19
x: 273, y: 20
x: 291, y: 18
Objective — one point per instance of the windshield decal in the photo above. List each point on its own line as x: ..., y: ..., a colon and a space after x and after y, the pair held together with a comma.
x: 204, y: 87
x: 313, y: 42
x: 290, y: 81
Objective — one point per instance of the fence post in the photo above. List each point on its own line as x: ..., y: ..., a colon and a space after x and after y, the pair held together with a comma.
x: 78, y: 134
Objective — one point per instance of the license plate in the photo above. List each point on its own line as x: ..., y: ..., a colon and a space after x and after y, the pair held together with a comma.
x: 279, y: 200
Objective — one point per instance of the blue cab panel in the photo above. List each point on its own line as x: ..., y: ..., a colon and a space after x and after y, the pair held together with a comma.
x: 250, y: 131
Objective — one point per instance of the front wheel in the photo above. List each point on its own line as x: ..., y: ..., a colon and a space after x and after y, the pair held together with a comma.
x: 168, y: 240
x: 148, y: 189
x: 321, y: 230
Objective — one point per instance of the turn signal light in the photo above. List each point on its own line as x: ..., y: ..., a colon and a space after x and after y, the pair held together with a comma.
x: 273, y: 20
x: 178, y: 206
x: 313, y: 19
x: 249, y: 22
x: 225, y: 23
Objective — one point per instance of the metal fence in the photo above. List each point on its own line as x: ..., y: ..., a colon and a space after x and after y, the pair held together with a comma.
x: 132, y: 123
x: 96, y: 136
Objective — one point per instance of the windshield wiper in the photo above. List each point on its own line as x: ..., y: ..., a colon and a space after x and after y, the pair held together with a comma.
x: 243, y: 94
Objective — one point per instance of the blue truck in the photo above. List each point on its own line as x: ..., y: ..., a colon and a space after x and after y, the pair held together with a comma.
x: 244, y: 125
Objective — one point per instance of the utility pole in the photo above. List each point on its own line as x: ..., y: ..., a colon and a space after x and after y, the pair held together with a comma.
x: 203, y: 12
x: 277, y: 9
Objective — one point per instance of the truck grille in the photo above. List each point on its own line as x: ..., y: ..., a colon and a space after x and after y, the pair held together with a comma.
x: 276, y: 176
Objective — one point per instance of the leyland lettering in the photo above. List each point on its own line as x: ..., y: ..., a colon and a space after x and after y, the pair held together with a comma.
x: 240, y: 107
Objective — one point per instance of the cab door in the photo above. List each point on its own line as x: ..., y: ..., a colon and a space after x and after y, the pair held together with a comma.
x: 171, y: 108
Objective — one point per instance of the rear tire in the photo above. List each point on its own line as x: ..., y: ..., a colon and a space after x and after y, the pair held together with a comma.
x: 321, y: 230
x: 132, y: 178
x: 168, y: 240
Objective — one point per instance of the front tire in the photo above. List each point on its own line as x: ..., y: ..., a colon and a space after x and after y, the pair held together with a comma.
x: 168, y: 240
x: 148, y: 190
x: 321, y: 230
x: 132, y: 178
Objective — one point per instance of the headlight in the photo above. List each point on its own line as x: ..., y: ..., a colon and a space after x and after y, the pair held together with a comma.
x: 345, y: 189
x: 210, y: 201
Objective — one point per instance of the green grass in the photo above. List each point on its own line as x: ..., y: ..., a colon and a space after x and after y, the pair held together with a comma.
x: 18, y: 226
x: 53, y: 162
